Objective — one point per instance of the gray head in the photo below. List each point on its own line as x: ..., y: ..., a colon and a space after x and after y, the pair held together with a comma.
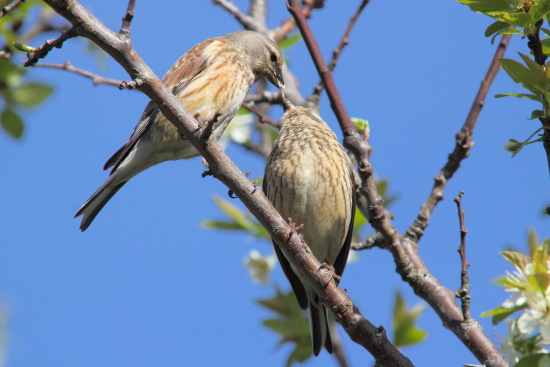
x: 262, y: 53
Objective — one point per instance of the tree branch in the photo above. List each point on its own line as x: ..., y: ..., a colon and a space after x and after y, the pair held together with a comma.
x: 96, y: 79
x: 408, y: 262
x: 127, y: 19
x: 221, y: 167
x: 318, y: 88
x: 464, y: 291
x: 262, y: 117
x: 246, y: 21
x: 462, y: 147
x: 6, y: 9
x: 41, y: 52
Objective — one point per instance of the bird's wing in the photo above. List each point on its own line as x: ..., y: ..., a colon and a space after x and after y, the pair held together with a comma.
x: 295, y: 283
x: 187, y: 68
x: 342, y: 259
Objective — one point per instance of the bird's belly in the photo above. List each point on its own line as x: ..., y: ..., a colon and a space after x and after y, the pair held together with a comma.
x: 317, y: 204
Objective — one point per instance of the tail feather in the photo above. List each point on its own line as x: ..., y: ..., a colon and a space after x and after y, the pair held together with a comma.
x: 318, y: 326
x: 96, y: 202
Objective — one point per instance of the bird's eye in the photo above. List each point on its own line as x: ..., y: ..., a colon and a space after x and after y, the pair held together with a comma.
x: 273, y: 57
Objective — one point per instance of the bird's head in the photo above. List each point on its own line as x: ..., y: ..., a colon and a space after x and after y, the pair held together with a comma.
x: 262, y: 55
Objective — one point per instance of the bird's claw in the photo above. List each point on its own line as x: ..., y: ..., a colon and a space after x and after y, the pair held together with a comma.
x: 326, y: 265
x: 293, y: 228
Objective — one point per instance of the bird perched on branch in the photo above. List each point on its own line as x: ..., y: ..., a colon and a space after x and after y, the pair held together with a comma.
x: 309, y: 180
x: 211, y: 80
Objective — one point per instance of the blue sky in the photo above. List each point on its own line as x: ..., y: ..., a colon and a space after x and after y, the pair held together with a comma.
x: 146, y: 285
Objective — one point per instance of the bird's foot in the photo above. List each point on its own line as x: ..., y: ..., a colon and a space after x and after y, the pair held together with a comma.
x: 293, y: 229
x: 328, y: 267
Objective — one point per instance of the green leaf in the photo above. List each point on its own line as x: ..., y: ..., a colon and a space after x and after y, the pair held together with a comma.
x: 289, y: 41
x: 242, y: 111
x: 520, y: 95
x: 23, y: 47
x: 513, y: 146
x: 362, y: 126
x: 539, y: 359
x: 12, y: 123
x: 545, y: 46
x: 536, y: 114
x: 505, y: 31
x: 405, y: 331
x: 500, y: 313
x: 495, y: 27
x: 538, y: 10
x: 290, y: 324
x: 239, y: 220
x: 540, y: 259
x: 520, y: 74
x: 489, y: 6
x: 284, y: 304
x: 32, y: 94
x: 516, y: 258
x: 217, y: 224
x: 535, y: 68
x: 300, y: 354
x: 532, y: 241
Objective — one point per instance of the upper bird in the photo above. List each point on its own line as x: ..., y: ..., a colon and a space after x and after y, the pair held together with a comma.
x: 213, y: 76
x: 309, y: 179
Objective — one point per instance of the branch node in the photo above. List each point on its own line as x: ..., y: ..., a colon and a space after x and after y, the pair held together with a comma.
x: 134, y: 84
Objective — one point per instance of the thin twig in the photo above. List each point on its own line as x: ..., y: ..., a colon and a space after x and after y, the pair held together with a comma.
x: 246, y: 21
x: 266, y: 96
x: 344, y: 41
x: 6, y: 9
x: 462, y: 147
x: 282, y: 31
x: 42, y: 51
x: 263, y: 118
x: 96, y: 79
x: 127, y: 19
x: 464, y: 291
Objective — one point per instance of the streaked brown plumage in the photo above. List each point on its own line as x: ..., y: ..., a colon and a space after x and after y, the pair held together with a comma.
x: 214, y: 75
x: 309, y: 179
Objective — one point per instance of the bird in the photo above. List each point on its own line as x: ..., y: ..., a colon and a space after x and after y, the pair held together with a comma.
x: 211, y: 80
x: 309, y: 180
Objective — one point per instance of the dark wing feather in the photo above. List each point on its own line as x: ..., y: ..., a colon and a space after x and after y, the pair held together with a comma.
x: 295, y: 283
x: 191, y: 64
x: 342, y: 259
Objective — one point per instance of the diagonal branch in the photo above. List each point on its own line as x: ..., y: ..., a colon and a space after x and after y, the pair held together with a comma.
x: 6, y: 9
x: 462, y: 147
x: 220, y: 166
x: 318, y: 89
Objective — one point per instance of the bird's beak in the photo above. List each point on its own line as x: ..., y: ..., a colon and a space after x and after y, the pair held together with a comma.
x: 287, y: 105
x: 278, y: 81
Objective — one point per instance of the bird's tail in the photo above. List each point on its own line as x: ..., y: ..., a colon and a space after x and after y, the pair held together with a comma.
x: 97, y: 201
x: 318, y: 326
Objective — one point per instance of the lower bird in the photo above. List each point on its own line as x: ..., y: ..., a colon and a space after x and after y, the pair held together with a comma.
x: 309, y: 179
x: 211, y: 80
